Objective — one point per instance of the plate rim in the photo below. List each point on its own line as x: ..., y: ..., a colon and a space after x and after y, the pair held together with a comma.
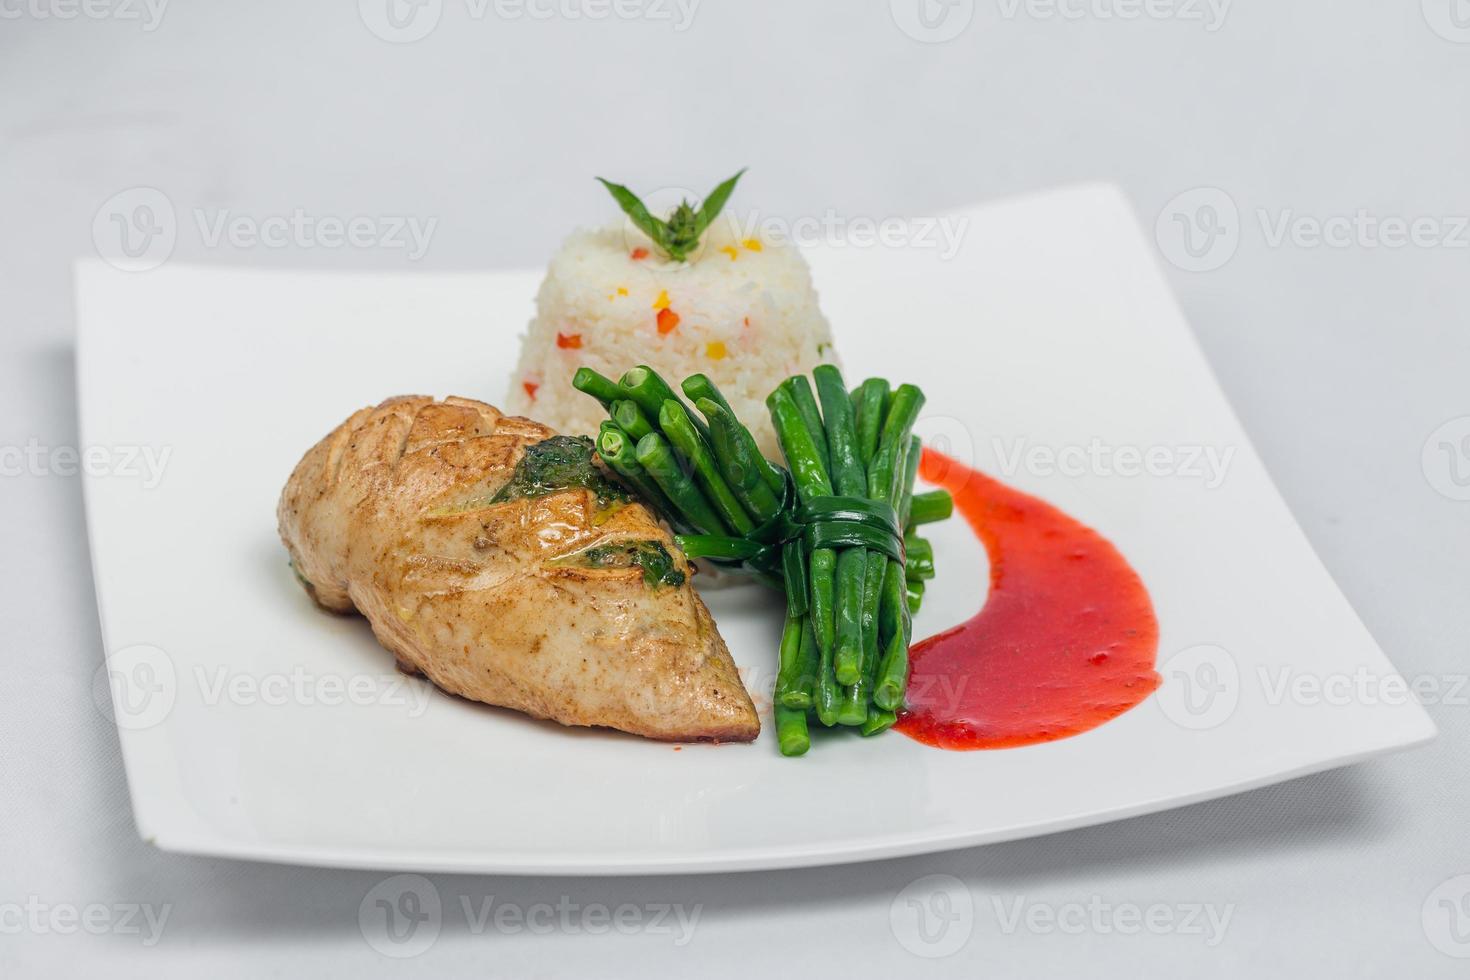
x: 736, y: 861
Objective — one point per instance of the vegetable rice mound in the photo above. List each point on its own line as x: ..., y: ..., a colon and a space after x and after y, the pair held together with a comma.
x: 741, y: 310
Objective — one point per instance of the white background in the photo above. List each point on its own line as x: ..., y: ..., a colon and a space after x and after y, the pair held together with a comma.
x: 1342, y: 361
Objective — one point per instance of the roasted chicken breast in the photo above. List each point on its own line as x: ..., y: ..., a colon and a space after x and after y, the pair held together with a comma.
x: 495, y: 558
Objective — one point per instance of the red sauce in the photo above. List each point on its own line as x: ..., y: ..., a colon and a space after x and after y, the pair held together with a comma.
x: 1065, y: 641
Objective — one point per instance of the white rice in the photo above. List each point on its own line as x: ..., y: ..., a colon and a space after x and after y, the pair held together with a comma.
x: 747, y: 317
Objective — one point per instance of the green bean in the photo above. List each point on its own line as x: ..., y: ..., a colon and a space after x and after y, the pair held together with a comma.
x: 826, y: 695
x: 890, y: 608
x: 914, y: 594
x: 822, y: 602
x: 720, y: 547
x: 657, y: 457
x: 847, y: 659
x: 807, y: 460
x: 925, y: 508
x: 739, y: 461
x: 630, y: 418
x: 896, y: 485
x: 903, y: 410
x: 896, y: 449
x: 678, y: 426
x: 920, y: 553
x: 919, y: 557
x: 848, y: 476
x: 878, y: 721
x: 872, y: 402
x: 800, y: 689
x: 894, y: 611
x: 911, y: 460
x: 852, y: 709
x: 794, y: 577
x: 800, y: 390
x: 605, y: 390
x: 616, y: 450
x: 789, y: 689
x: 893, y: 673
x: 646, y: 387
x: 698, y: 386
x: 792, y: 735
x: 873, y: 577
x: 823, y: 568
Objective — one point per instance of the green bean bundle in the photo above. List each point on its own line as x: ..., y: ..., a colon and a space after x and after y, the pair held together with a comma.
x: 835, y: 530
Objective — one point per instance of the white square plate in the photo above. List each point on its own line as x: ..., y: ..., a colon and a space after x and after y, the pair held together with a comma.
x: 254, y: 726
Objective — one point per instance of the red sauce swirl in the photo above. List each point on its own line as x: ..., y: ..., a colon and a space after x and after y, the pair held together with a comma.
x: 1065, y: 641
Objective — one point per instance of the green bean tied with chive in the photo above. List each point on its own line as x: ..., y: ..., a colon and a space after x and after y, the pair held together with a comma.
x: 834, y: 529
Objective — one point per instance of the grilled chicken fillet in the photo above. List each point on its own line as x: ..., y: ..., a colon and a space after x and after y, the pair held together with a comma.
x: 570, y: 604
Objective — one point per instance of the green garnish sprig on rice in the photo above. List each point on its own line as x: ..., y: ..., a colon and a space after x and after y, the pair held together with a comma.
x: 679, y: 235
